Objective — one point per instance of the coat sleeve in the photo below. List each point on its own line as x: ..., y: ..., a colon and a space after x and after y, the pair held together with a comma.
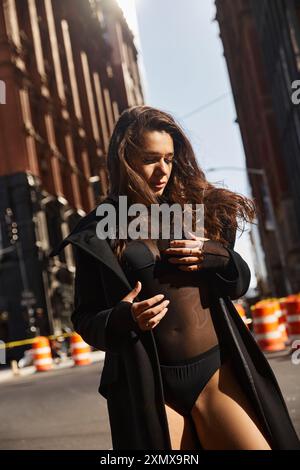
x: 101, y: 325
x: 234, y: 279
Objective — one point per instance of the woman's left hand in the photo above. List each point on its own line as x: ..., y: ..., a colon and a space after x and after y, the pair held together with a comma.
x: 190, y: 251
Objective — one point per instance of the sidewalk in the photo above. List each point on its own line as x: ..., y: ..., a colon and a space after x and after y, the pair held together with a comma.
x: 5, y: 375
x: 98, y: 356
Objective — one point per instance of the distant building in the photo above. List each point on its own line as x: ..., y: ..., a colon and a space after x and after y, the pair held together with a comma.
x: 261, y: 42
x: 69, y: 68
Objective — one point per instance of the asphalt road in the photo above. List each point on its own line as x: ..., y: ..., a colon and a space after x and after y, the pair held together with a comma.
x: 62, y: 409
x: 288, y: 377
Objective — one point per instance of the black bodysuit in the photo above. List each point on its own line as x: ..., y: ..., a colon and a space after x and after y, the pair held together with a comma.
x: 186, y: 340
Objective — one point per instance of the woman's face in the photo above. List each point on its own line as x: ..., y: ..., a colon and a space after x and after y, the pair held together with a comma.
x: 156, y: 160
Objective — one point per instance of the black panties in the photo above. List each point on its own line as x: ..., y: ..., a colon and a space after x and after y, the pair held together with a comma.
x: 183, y: 382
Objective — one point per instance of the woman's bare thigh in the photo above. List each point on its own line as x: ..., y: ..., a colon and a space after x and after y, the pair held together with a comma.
x: 182, y: 433
x: 224, y: 417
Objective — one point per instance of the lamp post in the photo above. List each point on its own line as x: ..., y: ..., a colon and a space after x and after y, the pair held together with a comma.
x: 261, y: 172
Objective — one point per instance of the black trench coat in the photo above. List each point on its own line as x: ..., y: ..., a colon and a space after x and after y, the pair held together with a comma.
x: 131, y: 380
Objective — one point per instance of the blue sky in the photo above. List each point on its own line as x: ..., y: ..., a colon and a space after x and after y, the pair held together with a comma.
x: 183, y: 69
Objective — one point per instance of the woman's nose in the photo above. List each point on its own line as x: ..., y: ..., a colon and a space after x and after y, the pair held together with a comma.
x: 163, y: 167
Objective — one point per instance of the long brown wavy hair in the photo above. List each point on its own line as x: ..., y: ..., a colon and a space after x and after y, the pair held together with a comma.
x: 225, y: 211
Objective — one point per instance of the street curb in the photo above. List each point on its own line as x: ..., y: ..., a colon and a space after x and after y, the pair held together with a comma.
x: 6, y: 375
x: 282, y: 353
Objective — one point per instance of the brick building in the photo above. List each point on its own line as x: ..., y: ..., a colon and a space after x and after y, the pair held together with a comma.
x: 69, y: 68
x: 261, y: 48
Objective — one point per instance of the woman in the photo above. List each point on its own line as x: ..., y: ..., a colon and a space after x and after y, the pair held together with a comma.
x: 181, y: 370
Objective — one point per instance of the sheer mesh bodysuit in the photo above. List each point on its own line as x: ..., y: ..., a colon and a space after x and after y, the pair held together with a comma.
x: 187, y: 329
x: 186, y: 340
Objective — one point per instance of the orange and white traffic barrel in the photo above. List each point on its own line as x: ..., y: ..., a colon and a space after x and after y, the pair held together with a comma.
x: 81, y: 352
x: 42, y: 357
x: 266, y: 326
x: 242, y: 312
x: 282, y: 319
x: 292, y: 307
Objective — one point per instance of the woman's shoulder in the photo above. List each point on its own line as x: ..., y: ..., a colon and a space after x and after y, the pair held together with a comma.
x: 86, y: 224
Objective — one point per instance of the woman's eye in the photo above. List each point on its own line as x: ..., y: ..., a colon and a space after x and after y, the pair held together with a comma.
x: 168, y: 160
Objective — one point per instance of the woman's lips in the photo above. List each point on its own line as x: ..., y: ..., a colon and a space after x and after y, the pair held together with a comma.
x: 159, y: 185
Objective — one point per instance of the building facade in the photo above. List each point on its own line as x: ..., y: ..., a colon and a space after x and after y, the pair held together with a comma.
x: 260, y: 40
x: 69, y: 68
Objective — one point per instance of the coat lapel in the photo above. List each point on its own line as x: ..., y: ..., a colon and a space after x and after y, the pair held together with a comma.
x: 100, y: 249
x: 84, y: 235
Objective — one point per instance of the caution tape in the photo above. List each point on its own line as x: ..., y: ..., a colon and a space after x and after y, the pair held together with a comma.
x: 22, y: 342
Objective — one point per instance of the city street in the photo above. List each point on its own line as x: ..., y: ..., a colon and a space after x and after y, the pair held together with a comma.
x: 63, y: 410
x: 127, y: 126
x: 288, y: 376
x: 54, y: 410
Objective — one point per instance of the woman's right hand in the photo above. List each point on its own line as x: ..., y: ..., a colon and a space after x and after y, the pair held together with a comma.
x: 148, y: 312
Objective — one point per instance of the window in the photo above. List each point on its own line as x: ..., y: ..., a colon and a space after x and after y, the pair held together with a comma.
x: 71, y: 69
